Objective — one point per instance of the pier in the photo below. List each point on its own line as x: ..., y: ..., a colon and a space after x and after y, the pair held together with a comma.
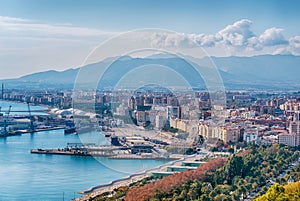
x: 21, y: 132
x: 59, y: 152
x: 116, y: 150
x: 80, y: 149
x: 112, y: 152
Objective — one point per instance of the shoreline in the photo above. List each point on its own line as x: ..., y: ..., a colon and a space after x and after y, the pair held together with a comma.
x: 30, y: 132
x: 94, y: 191
x: 47, y: 107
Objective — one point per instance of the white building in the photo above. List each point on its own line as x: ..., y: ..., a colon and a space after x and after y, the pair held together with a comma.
x: 250, y: 135
x: 295, y: 130
x: 160, y: 121
x: 122, y: 110
x: 173, y: 111
x: 287, y: 139
x: 227, y: 133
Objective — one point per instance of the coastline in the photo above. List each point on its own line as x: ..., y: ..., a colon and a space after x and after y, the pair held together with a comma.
x: 53, y: 174
x: 94, y: 191
x: 32, y: 104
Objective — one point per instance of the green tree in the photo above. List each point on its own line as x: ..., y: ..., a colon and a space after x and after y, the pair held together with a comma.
x: 274, y: 192
x: 234, y: 167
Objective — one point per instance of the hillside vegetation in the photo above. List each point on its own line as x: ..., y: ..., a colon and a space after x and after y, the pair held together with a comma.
x: 229, y: 179
x: 277, y: 192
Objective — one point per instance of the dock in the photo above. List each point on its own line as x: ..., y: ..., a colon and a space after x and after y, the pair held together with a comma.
x: 56, y: 152
x: 21, y: 132
x: 105, y: 151
x: 114, y: 151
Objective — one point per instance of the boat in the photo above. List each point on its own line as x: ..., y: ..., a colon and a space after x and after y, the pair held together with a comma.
x: 70, y: 130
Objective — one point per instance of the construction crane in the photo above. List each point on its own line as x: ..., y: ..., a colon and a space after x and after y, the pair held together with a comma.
x: 5, y: 121
x: 31, y: 118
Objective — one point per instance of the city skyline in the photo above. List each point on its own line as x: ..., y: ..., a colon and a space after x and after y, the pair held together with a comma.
x: 59, y: 35
x: 149, y: 100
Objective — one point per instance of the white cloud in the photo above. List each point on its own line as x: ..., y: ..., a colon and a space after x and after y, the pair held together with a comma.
x: 237, y: 34
x: 209, y: 40
x: 29, y: 46
x: 272, y: 36
x: 13, y: 19
x: 171, y: 40
x: 10, y: 26
x: 235, y: 39
x: 294, y: 46
x: 254, y: 43
x: 295, y: 41
x: 282, y: 51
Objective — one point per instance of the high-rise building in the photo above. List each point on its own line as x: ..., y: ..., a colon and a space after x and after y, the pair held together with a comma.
x: 2, y: 91
x: 287, y: 138
x: 173, y: 111
x: 297, y: 116
x: 295, y: 129
x: 160, y: 121
x: 131, y: 103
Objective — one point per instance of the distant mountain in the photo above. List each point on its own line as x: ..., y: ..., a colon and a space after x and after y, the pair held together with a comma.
x: 257, y: 72
x: 44, y: 80
x: 261, y: 72
x: 51, y: 76
x: 266, y: 67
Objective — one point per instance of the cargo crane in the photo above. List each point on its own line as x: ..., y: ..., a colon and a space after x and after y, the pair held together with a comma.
x: 5, y: 133
x: 31, y: 119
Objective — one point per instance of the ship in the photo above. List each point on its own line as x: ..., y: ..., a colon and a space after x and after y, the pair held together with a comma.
x: 70, y: 130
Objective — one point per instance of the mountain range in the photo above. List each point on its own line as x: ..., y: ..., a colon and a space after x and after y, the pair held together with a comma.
x: 256, y: 72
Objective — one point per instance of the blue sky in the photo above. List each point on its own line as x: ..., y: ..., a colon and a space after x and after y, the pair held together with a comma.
x: 37, y: 35
x: 179, y: 15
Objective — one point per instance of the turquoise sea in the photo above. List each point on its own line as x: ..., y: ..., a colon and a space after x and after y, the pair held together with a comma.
x: 19, y: 107
x: 26, y: 176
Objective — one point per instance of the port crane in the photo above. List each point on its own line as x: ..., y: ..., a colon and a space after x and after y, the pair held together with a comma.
x: 6, y: 118
x: 31, y: 118
x: 5, y: 121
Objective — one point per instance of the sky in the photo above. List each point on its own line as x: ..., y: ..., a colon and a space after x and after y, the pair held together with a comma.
x: 39, y: 35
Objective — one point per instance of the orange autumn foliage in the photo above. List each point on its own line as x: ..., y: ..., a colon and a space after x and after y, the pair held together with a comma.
x: 292, y: 187
x: 167, y: 183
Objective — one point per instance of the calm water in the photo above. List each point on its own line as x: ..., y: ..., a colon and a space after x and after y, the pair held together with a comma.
x: 25, y: 176
x: 17, y: 107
